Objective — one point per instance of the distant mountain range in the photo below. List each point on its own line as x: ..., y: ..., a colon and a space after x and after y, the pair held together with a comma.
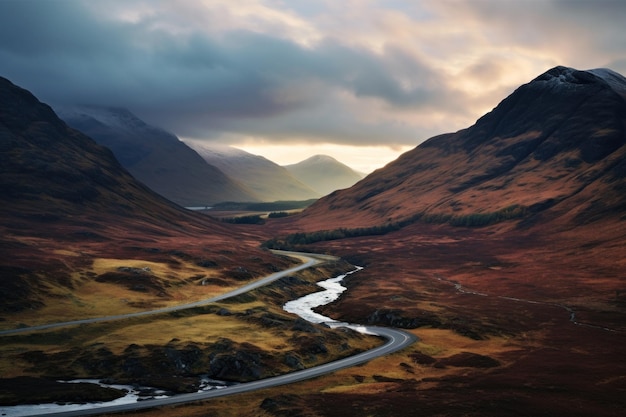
x: 197, y: 173
x: 553, y: 150
x: 266, y: 179
x: 156, y: 157
x: 324, y: 174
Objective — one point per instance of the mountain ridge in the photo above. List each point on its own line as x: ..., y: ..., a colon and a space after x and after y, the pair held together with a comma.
x: 156, y: 157
x: 324, y: 173
x: 268, y: 180
x: 553, y: 141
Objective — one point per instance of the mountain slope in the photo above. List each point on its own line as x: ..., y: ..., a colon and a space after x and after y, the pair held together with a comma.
x: 266, y: 179
x: 156, y: 157
x: 67, y: 202
x: 554, y: 147
x: 546, y: 285
x: 324, y: 174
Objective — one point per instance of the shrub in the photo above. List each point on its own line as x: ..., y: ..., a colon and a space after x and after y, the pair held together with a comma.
x: 277, y: 214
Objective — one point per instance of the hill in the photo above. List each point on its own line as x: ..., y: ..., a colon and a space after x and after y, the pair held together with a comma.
x: 69, y: 206
x: 324, y: 174
x: 502, y: 246
x: 554, y: 149
x: 266, y: 179
x: 156, y: 157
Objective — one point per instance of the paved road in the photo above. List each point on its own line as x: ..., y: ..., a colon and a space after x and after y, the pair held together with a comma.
x: 309, y: 259
x: 396, y: 340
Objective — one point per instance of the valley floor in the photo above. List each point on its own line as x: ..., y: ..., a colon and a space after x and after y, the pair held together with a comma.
x: 492, y: 308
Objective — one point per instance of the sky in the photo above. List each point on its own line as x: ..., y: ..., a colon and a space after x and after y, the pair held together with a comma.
x: 360, y: 80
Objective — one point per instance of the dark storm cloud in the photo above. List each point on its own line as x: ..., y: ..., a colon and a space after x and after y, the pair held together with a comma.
x: 198, y: 85
x: 388, y: 72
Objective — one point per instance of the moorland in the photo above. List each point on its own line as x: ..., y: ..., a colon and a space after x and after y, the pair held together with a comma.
x: 501, y: 247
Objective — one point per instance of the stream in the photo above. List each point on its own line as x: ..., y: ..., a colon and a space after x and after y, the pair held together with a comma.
x: 333, y: 289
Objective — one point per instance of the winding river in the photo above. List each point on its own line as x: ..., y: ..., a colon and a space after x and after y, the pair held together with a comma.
x: 304, y: 306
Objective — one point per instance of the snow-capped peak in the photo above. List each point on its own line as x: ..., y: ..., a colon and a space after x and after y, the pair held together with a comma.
x: 566, y: 77
x: 616, y: 81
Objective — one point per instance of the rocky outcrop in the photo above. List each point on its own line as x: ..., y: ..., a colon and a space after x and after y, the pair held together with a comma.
x: 394, y: 318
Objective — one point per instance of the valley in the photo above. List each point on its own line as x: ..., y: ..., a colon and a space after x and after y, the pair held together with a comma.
x: 498, y: 249
x: 477, y: 354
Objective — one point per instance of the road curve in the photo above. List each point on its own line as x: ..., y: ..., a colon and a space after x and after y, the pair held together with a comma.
x: 396, y: 340
x: 310, y: 259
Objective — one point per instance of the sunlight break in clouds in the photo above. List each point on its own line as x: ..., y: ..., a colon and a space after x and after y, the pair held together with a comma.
x: 358, y: 74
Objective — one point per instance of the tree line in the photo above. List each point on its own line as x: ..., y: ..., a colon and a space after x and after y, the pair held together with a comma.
x: 294, y: 240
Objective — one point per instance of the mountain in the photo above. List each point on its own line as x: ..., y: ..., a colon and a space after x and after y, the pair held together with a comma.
x: 540, y: 287
x: 66, y: 202
x: 266, y: 179
x: 324, y: 174
x: 156, y: 157
x: 552, y: 150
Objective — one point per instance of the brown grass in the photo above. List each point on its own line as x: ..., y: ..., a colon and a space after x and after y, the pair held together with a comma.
x: 244, y: 326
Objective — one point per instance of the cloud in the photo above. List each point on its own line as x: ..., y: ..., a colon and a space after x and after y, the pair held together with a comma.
x: 353, y: 72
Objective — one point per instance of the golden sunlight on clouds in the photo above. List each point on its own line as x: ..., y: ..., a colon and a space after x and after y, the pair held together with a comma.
x: 255, y: 16
x: 360, y: 74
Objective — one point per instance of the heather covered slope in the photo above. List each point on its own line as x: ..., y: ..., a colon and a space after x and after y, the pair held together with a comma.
x: 522, y: 316
x: 52, y: 172
x: 67, y: 202
x: 555, y: 147
x: 156, y: 157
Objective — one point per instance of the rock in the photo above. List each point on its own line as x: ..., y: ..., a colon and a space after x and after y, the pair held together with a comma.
x: 224, y: 312
x: 301, y: 325
x: 422, y: 359
x: 242, y: 365
x: 279, y: 405
x: 206, y: 263
x: 394, y: 318
x: 293, y: 361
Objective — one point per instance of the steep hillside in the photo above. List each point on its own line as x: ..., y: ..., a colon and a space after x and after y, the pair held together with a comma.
x: 553, y: 149
x: 68, y: 204
x: 324, y: 174
x: 266, y: 179
x: 156, y: 157
x: 537, y: 295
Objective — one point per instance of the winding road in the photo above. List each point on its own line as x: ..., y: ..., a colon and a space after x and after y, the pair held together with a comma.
x: 396, y: 340
x: 309, y: 260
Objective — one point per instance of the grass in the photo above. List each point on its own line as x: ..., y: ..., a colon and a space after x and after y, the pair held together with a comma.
x: 89, y: 298
x: 260, y: 325
x: 201, y: 328
x: 369, y: 381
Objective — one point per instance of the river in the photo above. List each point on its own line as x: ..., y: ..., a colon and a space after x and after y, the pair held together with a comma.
x: 304, y: 306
